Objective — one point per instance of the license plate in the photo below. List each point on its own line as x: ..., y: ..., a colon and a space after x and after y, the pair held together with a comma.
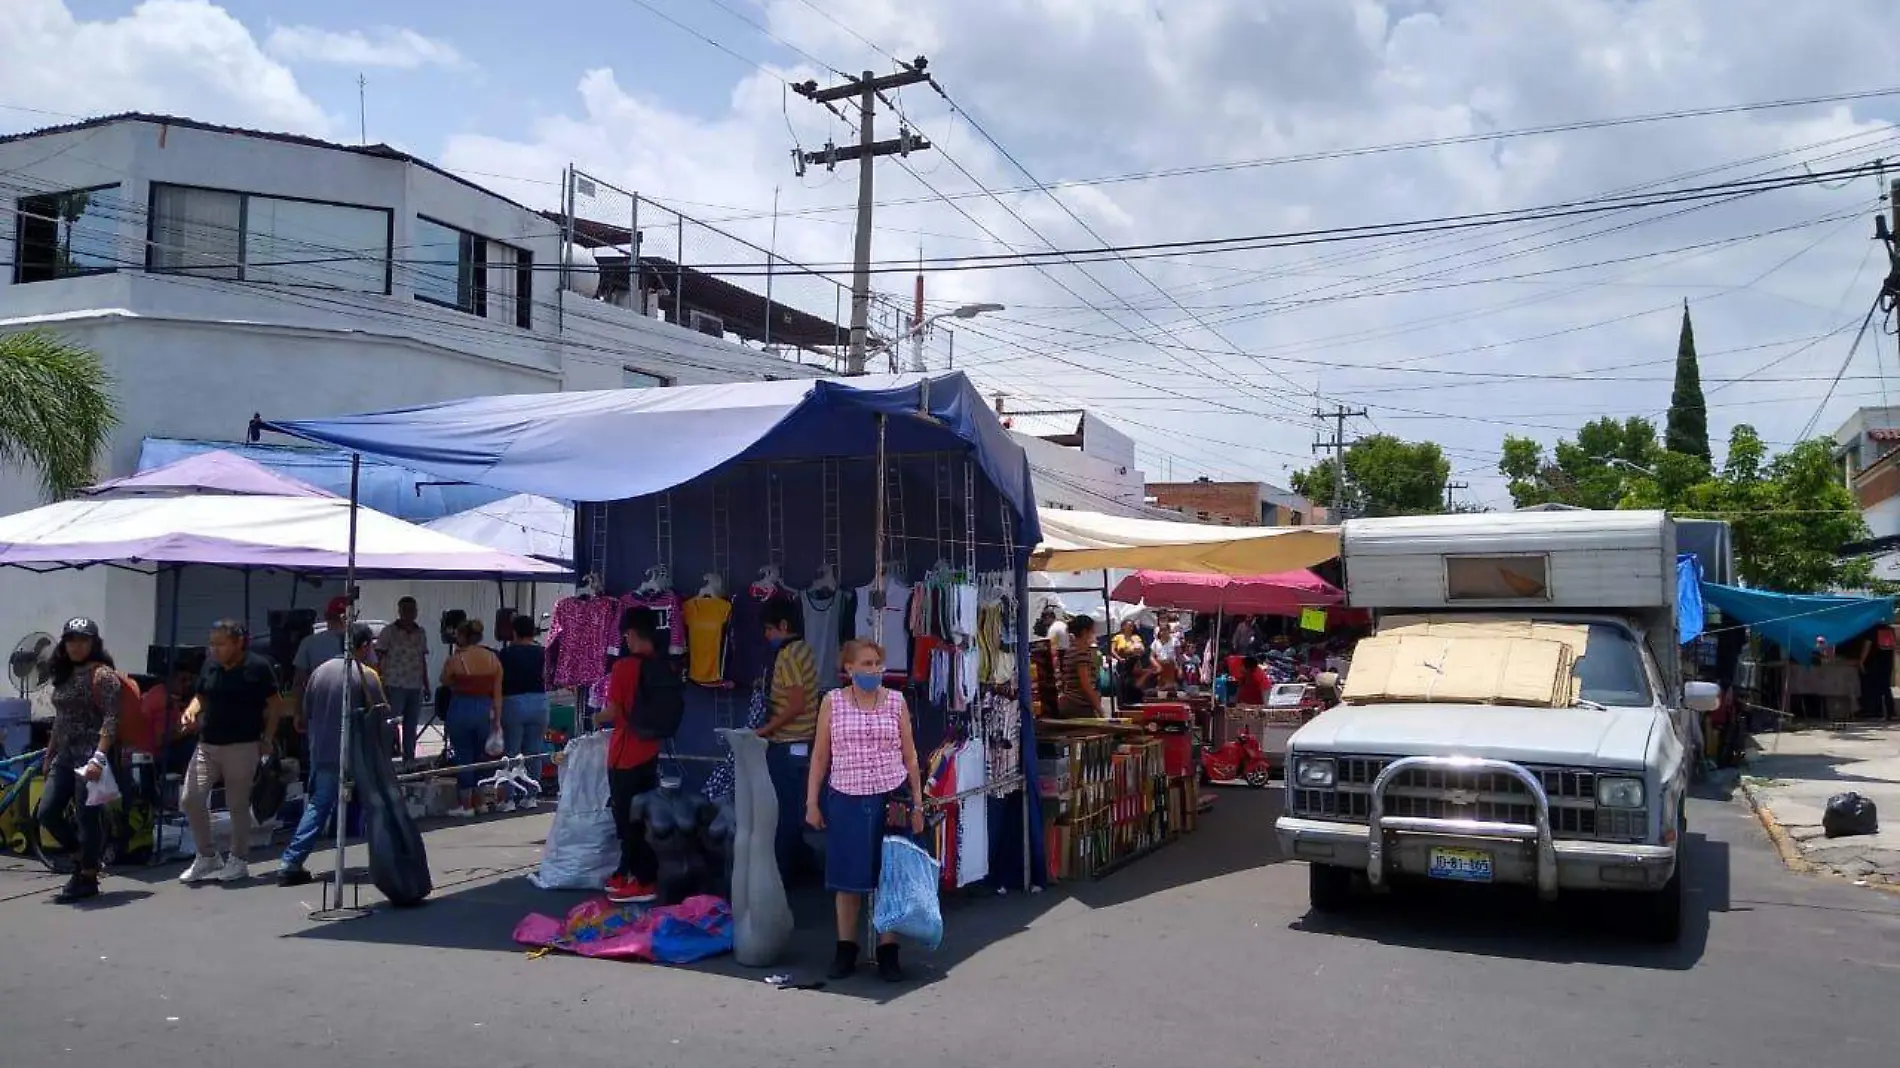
x: 1460, y: 865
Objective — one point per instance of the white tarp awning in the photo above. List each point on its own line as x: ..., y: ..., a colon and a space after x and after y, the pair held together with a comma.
x: 524, y: 524
x: 303, y: 534
x: 1082, y: 541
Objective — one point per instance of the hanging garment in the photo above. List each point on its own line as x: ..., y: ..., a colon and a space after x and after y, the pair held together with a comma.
x: 963, y: 597
x: 1003, y: 732
x: 973, y: 815
x: 708, y: 621
x: 941, y: 783
x: 582, y: 636
x: 895, y: 637
x: 665, y: 604
x: 748, y: 653
x: 824, y: 632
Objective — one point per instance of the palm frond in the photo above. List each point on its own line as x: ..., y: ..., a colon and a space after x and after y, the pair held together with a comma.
x: 56, y: 409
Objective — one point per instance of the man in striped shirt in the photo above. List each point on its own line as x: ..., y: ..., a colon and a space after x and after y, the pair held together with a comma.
x: 792, y: 693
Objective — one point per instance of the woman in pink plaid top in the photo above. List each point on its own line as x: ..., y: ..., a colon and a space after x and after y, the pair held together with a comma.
x: 862, y: 754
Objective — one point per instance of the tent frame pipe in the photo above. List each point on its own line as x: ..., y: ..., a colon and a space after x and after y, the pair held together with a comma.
x: 334, y: 908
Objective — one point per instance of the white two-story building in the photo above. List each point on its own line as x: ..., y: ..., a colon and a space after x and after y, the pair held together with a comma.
x: 221, y: 272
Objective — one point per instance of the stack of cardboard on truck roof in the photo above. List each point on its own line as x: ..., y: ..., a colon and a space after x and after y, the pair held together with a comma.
x: 1482, y: 662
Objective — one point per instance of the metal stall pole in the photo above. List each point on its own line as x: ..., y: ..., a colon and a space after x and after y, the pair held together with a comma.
x: 161, y: 766
x: 878, y: 593
x: 247, y: 600
x: 679, y: 270
x: 334, y: 909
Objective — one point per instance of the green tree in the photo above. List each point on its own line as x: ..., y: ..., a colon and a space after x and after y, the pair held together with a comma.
x: 1688, y: 427
x: 56, y: 409
x: 1384, y: 476
x: 1787, y: 516
x: 1592, y: 471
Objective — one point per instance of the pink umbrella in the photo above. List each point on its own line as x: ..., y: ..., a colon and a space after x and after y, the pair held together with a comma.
x: 1283, y: 594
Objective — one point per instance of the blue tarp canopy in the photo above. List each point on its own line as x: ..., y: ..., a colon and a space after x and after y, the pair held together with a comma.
x: 392, y: 490
x: 1794, y: 621
x: 610, y: 445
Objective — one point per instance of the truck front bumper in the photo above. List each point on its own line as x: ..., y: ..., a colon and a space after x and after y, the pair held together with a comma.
x: 1520, y: 854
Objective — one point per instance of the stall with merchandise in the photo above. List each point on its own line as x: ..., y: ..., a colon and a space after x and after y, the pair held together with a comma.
x: 894, y: 508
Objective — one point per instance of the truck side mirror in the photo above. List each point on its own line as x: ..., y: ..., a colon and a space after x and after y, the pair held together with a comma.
x: 1701, y: 696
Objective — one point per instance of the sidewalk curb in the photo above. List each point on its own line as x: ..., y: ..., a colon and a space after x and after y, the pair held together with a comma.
x: 1784, y: 843
x: 1790, y: 851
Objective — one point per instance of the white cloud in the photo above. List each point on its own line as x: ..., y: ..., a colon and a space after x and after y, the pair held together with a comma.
x: 186, y: 57
x: 1081, y: 89
x: 384, y: 46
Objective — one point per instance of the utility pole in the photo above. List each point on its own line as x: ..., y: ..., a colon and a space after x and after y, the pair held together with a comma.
x: 1339, y: 445
x: 866, y: 151
x: 1451, y: 488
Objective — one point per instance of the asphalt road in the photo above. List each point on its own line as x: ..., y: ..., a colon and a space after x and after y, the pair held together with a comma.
x: 1201, y: 954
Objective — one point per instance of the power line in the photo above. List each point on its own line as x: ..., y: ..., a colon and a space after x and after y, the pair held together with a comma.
x: 1325, y: 155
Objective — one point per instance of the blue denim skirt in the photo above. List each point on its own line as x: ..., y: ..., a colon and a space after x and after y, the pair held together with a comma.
x: 854, y: 841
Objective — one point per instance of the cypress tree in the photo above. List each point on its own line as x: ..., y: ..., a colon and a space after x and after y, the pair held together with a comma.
x: 1688, y: 429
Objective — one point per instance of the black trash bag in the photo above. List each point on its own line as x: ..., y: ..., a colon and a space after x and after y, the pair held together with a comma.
x: 268, y: 789
x: 1849, y: 814
x: 398, y: 864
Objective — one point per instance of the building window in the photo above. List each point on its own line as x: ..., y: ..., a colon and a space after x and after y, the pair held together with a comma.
x: 61, y: 235
x: 468, y: 272
x: 213, y: 233
x: 634, y: 378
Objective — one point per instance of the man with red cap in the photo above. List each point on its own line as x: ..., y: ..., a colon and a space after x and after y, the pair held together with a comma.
x: 324, y: 645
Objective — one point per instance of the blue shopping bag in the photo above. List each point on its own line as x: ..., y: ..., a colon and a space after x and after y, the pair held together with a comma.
x: 907, y: 894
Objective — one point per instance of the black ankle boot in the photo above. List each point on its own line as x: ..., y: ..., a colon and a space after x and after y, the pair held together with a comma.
x: 79, y: 888
x: 887, y: 967
x: 844, y: 962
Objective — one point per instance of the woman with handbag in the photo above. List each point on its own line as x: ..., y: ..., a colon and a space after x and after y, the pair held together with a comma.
x: 85, y: 726
x: 863, y: 754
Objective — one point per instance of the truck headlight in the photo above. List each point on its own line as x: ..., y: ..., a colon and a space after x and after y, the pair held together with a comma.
x: 1314, y: 772
x: 1620, y: 793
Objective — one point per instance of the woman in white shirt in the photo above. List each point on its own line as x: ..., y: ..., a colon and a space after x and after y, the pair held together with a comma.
x: 1167, y: 663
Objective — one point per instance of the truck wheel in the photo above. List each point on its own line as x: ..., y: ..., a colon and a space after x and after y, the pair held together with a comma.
x: 1328, y: 887
x: 1659, y: 912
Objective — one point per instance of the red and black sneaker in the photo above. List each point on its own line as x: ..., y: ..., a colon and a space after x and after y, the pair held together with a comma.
x: 625, y: 890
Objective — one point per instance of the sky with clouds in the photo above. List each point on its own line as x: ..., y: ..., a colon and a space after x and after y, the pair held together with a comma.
x: 1211, y: 362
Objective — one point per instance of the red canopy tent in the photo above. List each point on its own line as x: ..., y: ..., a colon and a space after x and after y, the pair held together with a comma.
x: 1282, y: 594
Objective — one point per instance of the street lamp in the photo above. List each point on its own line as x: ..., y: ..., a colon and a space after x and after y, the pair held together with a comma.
x: 967, y: 311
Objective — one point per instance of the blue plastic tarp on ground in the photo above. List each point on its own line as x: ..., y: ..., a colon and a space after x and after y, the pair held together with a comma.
x: 1689, y: 614
x: 610, y: 445
x: 1795, y: 621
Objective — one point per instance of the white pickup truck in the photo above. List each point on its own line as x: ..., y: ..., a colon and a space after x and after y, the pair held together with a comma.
x: 1517, y: 717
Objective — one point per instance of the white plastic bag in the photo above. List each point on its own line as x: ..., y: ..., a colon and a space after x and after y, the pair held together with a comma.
x: 582, y: 849
x: 496, y: 744
x: 102, y: 791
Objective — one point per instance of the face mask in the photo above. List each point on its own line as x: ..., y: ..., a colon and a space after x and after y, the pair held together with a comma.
x: 867, y: 682
x: 776, y: 640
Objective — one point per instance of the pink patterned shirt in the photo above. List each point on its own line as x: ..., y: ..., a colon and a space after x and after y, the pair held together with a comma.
x: 582, y: 638
x: 867, y: 749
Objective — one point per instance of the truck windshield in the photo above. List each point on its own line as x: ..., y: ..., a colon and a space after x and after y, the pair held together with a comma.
x: 1612, y: 669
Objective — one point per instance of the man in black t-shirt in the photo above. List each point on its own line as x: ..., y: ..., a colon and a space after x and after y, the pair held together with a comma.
x: 234, y: 717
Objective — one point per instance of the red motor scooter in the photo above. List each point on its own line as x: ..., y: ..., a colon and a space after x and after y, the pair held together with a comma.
x: 1241, y: 759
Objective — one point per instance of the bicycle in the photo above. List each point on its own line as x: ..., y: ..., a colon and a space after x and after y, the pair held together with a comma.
x: 20, y: 831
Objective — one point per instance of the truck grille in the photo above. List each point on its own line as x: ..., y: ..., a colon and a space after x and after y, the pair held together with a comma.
x: 1434, y: 793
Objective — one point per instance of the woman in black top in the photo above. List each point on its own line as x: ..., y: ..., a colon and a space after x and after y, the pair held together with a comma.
x: 85, y: 724
x: 524, y: 699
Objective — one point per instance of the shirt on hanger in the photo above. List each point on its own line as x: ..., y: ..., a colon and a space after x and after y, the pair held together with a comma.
x: 824, y: 631
x: 895, y: 639
x: 706, y: 620
x: 973, y: 815
x: 747, y: 652
x: 666, y: 605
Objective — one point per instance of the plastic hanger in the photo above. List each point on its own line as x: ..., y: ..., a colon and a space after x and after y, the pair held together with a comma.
x: 657, y: 580
x: 827, y: 579
x: 715, y: 586
x: 768, y: 582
